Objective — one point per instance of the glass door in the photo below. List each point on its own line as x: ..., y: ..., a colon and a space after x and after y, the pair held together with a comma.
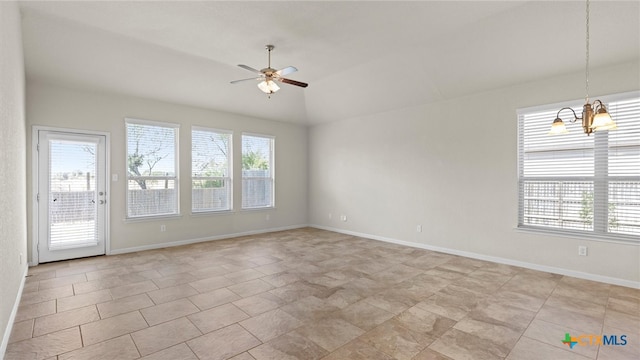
x: 71, y: 195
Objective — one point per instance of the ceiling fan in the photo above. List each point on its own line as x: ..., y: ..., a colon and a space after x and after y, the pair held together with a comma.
x: 269, y: 76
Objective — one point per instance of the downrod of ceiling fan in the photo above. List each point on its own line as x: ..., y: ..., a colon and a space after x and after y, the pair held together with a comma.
x: 269, y: 48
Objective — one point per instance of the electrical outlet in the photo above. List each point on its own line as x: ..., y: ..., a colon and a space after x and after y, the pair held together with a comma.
x: 163, y: 227
x: 343, y: 218
x: 330, y: 216
x: 582, y: 250
x: 267, y: 217
x: 20, y: 258
x: 419, y: 228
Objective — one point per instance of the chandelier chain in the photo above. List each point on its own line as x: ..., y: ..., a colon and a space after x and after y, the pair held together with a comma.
x: 594, y: 117
x: 587, y: 57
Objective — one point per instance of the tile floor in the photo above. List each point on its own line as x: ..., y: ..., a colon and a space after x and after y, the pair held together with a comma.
x: 313, y: 294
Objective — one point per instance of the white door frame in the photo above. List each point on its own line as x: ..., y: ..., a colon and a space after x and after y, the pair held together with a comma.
x: 34, y: 185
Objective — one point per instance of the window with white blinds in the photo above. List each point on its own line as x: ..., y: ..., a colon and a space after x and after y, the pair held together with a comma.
x: 257, y: 171
x: 73, y: 209
x: 152, y: 168
x: 574, y: 183
x: 211, y: 185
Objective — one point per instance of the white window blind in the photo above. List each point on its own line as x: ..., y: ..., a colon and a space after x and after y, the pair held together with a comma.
x: 623, y: 168
x: 72, y: 194
x: 257, y: 171
x: 152, y: 168
x: 578, y: 183
x: 211, y: 185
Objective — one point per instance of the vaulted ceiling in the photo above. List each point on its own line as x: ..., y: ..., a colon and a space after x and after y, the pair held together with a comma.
x: 358, y: 57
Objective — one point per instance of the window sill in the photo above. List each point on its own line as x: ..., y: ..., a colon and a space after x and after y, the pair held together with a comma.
x: 610, y: 238
x: 265, y: 208
x: 152, y: 218
x: 212, y: 213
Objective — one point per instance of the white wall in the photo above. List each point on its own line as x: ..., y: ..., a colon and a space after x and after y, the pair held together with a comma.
x: 452, y: 168
x: 54, y: 105
x: 13, y: 236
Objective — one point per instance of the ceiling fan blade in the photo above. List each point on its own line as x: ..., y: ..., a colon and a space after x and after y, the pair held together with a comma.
x: 293, y: 82
x: 250, y: 68
x: 241, y: 80
x: 286, y: 71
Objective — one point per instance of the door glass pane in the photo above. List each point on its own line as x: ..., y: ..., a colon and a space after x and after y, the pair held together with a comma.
x: 72, y: 194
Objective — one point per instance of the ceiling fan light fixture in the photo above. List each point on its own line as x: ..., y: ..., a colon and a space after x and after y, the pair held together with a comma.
x: 268, y: 86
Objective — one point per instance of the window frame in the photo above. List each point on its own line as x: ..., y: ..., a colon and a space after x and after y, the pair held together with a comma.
x: 272, y: 151
x: 600, y: 178
x: 228, y: 179
x: 175, y: 178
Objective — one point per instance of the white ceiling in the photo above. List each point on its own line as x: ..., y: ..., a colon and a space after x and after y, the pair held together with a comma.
x: 358, y: 57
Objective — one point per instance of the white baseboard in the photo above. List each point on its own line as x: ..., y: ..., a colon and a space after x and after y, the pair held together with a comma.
x: 495, y: 259
x: 203, y: 239
x: 12, y: 317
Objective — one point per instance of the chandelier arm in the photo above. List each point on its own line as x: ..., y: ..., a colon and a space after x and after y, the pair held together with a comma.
x: 597, y: 104
x: 575, y: 116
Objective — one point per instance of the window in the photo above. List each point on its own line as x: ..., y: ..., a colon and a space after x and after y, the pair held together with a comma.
x: 210, y: 170
x: 574, y: 183
x: 152, y: 168
x: 257, y: 171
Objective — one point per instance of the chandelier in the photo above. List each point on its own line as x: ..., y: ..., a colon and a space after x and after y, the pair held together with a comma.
x: 594, y: 117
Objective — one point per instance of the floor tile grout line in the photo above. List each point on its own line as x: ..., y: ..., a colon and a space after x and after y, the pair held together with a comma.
x: 81, y: 337
x: 191, y: 349
x: 604, y: 319
x: 136, y: 345
x: 561, y: 349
